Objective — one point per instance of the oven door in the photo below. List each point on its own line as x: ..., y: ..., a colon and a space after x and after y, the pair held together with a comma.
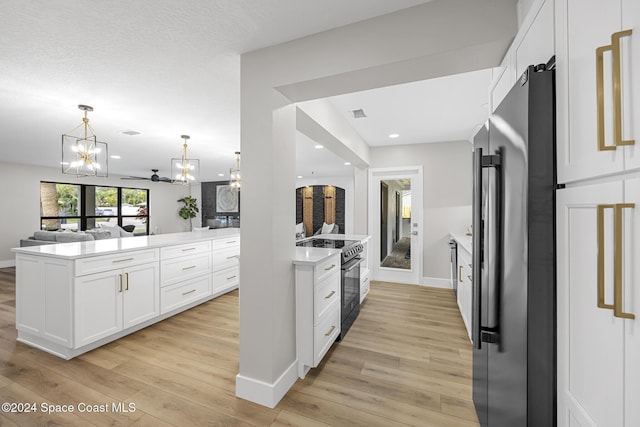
x: 350, y: 286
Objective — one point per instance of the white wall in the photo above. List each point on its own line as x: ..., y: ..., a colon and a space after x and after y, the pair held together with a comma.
x: 20, y: 193
x: 344, y: 182
x: 447, y: 199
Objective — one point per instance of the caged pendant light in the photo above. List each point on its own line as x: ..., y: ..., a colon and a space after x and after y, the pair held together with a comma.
x: 82, y: 153
x: 184, y: 170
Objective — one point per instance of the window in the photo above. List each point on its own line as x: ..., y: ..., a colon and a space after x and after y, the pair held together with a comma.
x: 83, y: 207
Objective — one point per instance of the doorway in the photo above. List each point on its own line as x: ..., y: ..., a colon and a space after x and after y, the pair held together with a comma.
x: 395, y: 219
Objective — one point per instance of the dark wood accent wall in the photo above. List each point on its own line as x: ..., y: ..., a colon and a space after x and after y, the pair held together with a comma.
x: 316, y: 204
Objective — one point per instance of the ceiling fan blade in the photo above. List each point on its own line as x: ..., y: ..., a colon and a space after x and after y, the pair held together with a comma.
x: 165, y: 179
x: 135, y: 177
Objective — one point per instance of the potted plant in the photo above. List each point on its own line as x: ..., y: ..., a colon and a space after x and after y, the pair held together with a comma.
x: 189, y: 210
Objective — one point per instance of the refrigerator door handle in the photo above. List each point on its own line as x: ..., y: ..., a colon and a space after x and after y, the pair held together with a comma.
x: 478, y: 332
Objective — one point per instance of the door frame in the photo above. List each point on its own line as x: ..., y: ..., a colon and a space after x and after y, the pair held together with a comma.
x: 376, y: 175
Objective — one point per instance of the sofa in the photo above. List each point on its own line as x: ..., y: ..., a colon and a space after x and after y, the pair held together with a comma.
x: 53, y: 237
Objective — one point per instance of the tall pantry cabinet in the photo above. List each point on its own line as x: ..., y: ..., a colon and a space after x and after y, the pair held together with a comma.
x: 598, y: 212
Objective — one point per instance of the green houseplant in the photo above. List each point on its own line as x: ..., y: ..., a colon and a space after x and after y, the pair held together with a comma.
x: 189, y: 210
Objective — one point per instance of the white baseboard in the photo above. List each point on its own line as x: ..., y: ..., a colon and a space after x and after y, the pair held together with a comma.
x: 263, y: 393
x: 7, y: 263
x: 434, y: 282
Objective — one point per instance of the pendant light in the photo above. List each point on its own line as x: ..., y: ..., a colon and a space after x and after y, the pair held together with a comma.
x: 234, y: 174
x: 82, y: 153
x: 184, y: 170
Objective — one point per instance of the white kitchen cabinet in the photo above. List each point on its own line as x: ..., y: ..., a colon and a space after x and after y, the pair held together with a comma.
x: 583, y: 27
x: 317, y: 310
x: 365, y: 275
x: 534, y: 44
x: 598, y: 351
x: 226, y: 265
x: 108, y: 302
x: 465, y: 287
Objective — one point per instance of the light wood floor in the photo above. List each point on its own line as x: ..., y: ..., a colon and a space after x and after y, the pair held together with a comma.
x: 405, y: 361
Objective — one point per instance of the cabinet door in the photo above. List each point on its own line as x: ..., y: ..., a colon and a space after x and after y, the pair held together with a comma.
x: 590, y: 339
x: 141, y: 294
x: 581, y: 27
x: 631, y: 299
x: 537, y: 43
x: 98, y: 306
x: 630, y: 58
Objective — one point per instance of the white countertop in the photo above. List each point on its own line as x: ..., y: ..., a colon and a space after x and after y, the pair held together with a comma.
x: 464, y: 241
x: 123, y: 244
x: 307, y: 255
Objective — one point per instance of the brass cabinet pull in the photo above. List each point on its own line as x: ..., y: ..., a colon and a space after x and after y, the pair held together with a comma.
x: 614, y: 47
x: 617, y: 259
x: 188, y: 249
x: 123, y: 260
x: 127, y: 277
x: 460, y: 273
x: 189, y: 292
x: 120, y: 290
x: 233, y: 241
x: 329, y: 268
x: 189, y: 268
x: 330, y: 331
x: 617, y: 262
x: 232, y: 277
x: 600, y: 268
x: 330, y: 295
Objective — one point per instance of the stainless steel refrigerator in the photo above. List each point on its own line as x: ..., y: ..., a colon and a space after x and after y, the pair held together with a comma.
x: 513, y: 322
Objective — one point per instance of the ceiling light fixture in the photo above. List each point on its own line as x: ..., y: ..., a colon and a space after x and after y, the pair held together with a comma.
x: 319, y: 146
x: 347, y: 163
x: 220, y: 174
x: 115, y: 156
x: 299, y: 176
x: 83, y: 154
x: 184, y: 170
x: 394, y: 135
x: 234, y: 174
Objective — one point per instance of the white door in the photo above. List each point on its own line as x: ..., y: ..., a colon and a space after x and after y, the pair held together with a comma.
x: 395, y: 248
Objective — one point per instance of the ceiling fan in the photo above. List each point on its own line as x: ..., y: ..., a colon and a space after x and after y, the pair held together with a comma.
x: 154, y: 177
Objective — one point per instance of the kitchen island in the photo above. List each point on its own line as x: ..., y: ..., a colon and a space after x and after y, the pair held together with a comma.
x: 74, y: 297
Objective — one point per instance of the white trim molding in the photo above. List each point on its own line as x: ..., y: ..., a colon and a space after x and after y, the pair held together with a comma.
x: 263, y: 393
x: 435, y: 282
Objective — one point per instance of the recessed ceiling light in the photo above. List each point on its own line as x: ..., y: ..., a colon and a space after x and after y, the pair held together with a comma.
x: 115, y: 156
x: 347, y: 163
x: 130, y: 132
x: 394, y: 135
x: 319, y: 146
x: 64, y: 163
x: 299, y: 176
x: 220, y: 174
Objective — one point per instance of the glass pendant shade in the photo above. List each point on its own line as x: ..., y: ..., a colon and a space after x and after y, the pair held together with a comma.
x: 184, y: 171
x: 82, y: 153
x: 234, y: 174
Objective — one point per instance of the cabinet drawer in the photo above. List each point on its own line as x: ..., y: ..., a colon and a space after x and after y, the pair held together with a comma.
x: 325, y: 333
x: 183, y: 293
x: 226, y: 279
x: 327, y: 293
x: 179, y: 269
x: 230, y: 257
x: 325, y: 268
x: 229, y: 242
x: 101, y: 263
x: 184, y: 250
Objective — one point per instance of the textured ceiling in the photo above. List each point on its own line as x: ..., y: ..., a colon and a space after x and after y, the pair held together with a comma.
x: 163, y: 68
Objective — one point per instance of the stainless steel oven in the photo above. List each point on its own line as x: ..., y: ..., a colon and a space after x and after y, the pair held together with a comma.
x: 350, y: 293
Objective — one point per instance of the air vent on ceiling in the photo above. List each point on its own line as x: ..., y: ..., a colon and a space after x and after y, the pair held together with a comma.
x: 358, y: 114
x: 131, y: 132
